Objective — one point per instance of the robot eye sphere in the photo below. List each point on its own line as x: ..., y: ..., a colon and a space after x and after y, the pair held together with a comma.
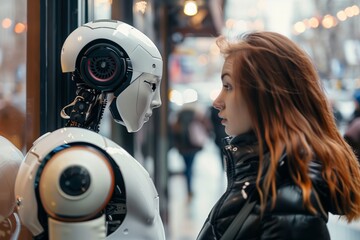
x: 67, y: 187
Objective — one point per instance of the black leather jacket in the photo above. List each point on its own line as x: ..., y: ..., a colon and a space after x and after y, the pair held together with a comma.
x: 288, y: 220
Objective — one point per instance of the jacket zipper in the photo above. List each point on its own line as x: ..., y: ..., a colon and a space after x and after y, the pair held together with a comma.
x: 229, y: 173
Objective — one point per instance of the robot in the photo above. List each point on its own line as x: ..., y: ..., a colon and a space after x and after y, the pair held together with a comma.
x: 76, y: 184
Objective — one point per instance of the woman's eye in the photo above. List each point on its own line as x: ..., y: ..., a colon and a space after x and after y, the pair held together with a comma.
x: 152, y: 85
x: 226, y: 86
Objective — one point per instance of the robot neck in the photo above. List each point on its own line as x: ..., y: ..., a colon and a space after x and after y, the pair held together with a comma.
x: 87, y: 109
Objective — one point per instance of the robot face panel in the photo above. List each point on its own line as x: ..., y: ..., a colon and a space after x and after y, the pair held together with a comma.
x: 135, y: 104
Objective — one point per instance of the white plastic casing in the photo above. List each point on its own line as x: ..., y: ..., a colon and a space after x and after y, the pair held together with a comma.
x: 136, y: 102
x: 144, y: 55
x: 142, y: 220
x: 90, y: 230
x: 87, y: 204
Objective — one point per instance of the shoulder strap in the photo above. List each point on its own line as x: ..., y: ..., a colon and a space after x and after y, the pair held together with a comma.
x: 238, y: 221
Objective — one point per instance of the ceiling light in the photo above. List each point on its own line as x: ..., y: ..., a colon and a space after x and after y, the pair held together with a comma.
x: 190, y: 8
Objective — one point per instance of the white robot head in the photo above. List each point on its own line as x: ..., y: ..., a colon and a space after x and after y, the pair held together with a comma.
x: 114, y: 57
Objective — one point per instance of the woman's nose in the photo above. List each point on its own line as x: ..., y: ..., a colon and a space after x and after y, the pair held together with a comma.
x: 217, y: 104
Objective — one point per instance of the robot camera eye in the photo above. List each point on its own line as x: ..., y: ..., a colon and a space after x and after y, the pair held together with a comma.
x: 75, y: 180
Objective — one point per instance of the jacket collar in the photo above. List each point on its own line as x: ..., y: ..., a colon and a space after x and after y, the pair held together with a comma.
x: 243, y: 139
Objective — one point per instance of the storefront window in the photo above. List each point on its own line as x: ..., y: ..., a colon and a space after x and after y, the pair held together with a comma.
x: 13, y: 71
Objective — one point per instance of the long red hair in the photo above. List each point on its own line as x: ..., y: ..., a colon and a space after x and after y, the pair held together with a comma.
x: 290, y: 112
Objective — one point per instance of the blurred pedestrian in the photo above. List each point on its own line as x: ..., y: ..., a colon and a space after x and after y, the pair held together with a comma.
x: 189, y: 134
x: 352, y: 136
x: 287, y: 164
x: 356, y: 113
x: 337, y: 114
x: 352, y: 132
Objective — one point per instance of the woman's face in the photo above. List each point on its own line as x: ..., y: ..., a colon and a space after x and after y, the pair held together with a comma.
x: 232, y: 108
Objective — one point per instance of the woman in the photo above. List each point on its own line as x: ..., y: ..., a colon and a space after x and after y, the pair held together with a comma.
x: 285, y: 153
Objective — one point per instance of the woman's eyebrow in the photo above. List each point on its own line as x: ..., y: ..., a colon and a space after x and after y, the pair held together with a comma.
x: 224, y: 75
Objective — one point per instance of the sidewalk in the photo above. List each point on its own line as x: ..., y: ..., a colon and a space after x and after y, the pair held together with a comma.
x: 187, y: 217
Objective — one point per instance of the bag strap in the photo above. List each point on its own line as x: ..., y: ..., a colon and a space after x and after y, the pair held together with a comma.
x: 238, y: 221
